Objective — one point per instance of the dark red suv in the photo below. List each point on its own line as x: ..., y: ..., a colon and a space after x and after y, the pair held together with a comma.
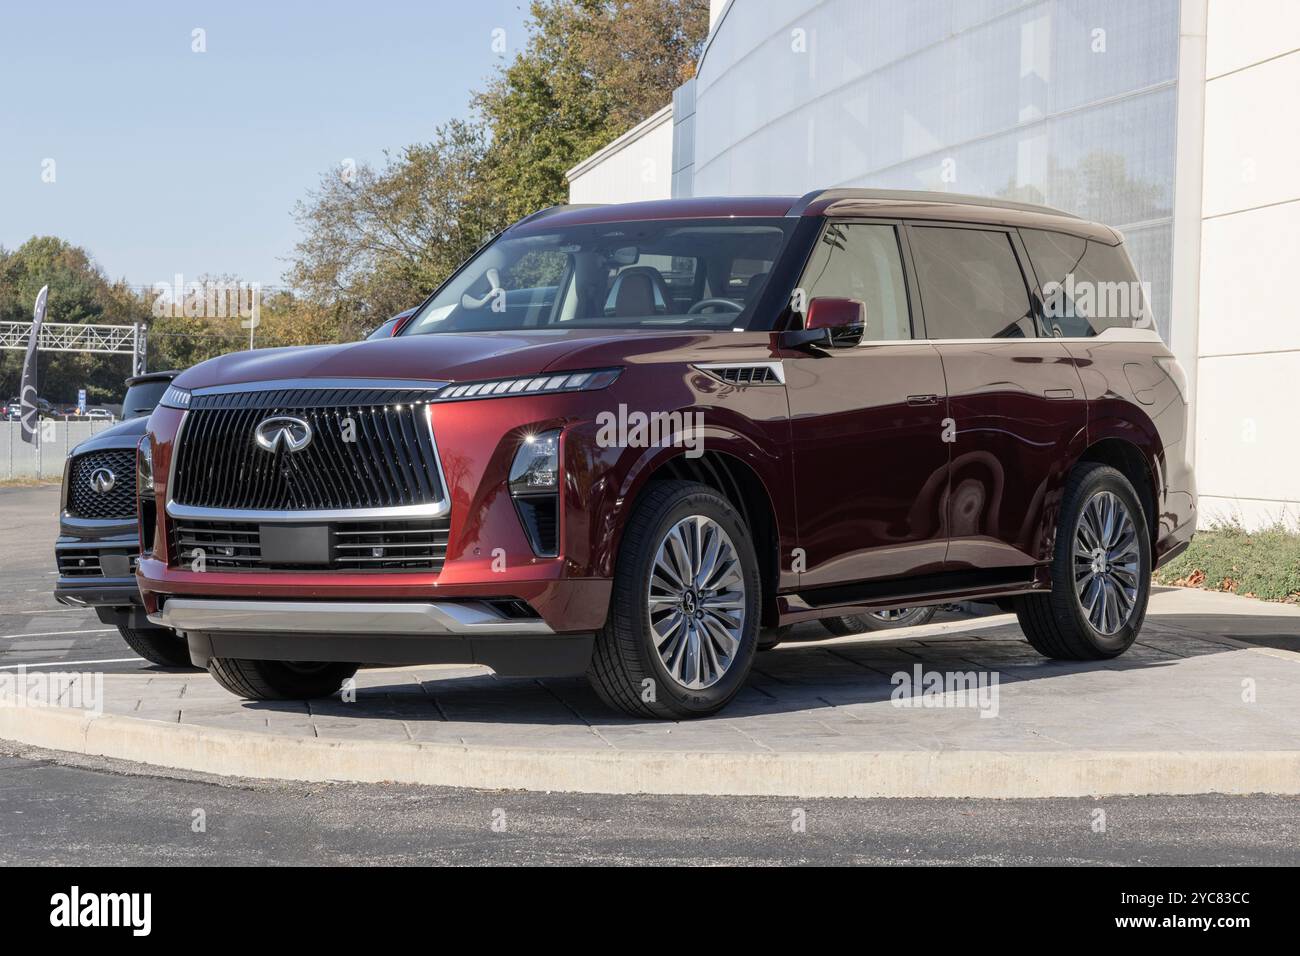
x: 638, y: 441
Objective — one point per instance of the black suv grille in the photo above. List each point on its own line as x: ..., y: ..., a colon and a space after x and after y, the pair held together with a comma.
x: 85, y: 562
x: 417, y: 544
x: 369, y: 448
x: 118, y: 502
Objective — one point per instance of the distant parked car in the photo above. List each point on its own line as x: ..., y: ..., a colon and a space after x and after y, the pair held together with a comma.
x: 99, y: 536
x: 393, y: 326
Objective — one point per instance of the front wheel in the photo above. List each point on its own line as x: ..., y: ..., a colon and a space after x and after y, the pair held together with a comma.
x: 157, y: 645
x: 1101, y: 571
x: 279, y: 680
x: 684, y: 614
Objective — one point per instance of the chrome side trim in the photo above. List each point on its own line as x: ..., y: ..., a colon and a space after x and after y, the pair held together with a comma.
x: 464, y: 618
x: 435, y: 510
x: 321, y: 383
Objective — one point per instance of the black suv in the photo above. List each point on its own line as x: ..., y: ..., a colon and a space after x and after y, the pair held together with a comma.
x: 99, y: 536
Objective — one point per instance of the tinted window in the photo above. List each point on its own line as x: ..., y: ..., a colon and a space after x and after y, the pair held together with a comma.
x: 971, y: 284
x: 861, y: 261
x: 1087, y: 286
x: 141, y: 399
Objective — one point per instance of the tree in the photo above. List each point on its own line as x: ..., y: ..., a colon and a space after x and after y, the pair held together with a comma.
x: 591, y: 70
x: 376, y: 242
x: 79, y: 292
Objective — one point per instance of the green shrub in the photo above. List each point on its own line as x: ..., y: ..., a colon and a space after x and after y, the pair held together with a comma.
x: 1263, y: 564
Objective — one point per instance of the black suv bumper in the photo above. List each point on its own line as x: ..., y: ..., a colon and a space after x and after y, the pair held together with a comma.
x: 96, y: 561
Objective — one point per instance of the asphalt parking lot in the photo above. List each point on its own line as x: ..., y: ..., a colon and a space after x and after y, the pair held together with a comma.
x: 34, y: 630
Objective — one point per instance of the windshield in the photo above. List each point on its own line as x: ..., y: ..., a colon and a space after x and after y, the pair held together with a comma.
x: 671, y: 274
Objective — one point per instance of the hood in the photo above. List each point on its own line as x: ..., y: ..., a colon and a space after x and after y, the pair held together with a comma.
x: 122, y: 435
x: 437, y: 358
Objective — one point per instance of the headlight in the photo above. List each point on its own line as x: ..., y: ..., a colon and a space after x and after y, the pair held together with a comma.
x: 529, y: 385
x: 175, y: 397
x: 535, y: 488
x: 144, y: 468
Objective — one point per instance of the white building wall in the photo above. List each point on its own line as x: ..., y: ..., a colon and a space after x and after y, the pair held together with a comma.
x: 1247, y: 456
x: 637, y: 166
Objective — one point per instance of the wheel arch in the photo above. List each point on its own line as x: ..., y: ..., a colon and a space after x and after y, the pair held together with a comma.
x: 740, y: 483
x: 1133, y: 463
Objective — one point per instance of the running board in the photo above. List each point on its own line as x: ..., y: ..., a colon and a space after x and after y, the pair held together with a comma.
x: 864, y: 596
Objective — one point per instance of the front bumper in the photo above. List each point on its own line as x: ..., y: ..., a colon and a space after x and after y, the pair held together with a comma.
x: 96, y: 564
x: 464, y: 618
x: 410, y: 632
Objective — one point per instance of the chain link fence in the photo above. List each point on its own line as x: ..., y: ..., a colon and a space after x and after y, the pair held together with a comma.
x: 44, y: 459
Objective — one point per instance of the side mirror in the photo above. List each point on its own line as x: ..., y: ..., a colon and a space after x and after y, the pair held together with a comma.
x: 831, y: 323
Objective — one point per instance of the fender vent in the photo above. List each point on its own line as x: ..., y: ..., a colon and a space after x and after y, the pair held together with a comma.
x: 755, y: 373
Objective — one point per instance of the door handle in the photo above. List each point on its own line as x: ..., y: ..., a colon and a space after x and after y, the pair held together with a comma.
x: 1059, y: 394
x: 923, y: 399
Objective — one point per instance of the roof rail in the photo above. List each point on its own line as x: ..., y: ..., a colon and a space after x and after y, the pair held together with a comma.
x: 916, y: 195
x: 552, y: 210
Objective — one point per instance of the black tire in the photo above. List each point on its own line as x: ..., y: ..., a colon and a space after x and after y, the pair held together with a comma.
x: 857, y: 623
x: 771, y: 637
x: 279, y: 680
x: 626, y: 670
x: 157, y: 645
x: 1056, y: 623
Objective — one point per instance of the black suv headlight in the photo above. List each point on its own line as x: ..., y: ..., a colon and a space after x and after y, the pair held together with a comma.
x: 146, y: 505
x: 535, y: 488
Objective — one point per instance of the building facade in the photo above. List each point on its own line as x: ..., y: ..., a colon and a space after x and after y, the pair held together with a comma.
x: 1172, y: 120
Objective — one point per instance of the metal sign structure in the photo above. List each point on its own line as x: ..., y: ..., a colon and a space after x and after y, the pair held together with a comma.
x: 74, y: 337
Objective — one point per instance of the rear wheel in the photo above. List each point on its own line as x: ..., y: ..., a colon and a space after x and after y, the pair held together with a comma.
x: 879, y: 620
x: 279, y: 680
x: 771, y: 637
x: 683, y: 619
x: 1101, y: 571
x: 157, y: 645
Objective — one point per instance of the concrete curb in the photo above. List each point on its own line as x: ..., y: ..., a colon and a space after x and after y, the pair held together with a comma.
x: 868, y: 774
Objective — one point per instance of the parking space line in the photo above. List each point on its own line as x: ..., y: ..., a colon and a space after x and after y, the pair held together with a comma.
x: 102, y: 630
x: 111, y: 660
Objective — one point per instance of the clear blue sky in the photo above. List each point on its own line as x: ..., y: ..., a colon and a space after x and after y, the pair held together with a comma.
x: 173, y: 161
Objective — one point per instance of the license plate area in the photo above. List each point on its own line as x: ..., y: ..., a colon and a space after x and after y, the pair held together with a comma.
x: 290, y: 544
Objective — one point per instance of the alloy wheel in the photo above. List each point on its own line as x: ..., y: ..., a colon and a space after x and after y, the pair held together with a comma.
x: 696, y: 602
x: 1107, y: 562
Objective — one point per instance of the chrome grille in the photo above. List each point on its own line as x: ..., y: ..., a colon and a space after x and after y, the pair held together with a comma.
x: 119, y: 502
x: 397, y: 545
x: 369, y: 448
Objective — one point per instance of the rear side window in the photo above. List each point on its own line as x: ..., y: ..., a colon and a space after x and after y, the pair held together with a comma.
x: 1088, y: 287
x: 857, y: 260
x: 971, y: 284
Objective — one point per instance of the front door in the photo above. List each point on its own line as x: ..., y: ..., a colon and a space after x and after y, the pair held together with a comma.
x: 870, y: 461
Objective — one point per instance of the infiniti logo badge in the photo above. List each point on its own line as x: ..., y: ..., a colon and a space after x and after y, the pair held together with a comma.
x: 293, y: 433
x: 103, y: 480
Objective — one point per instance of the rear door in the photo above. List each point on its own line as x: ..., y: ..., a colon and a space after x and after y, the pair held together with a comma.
x: 869, y: 461
x: 1018, y: 412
